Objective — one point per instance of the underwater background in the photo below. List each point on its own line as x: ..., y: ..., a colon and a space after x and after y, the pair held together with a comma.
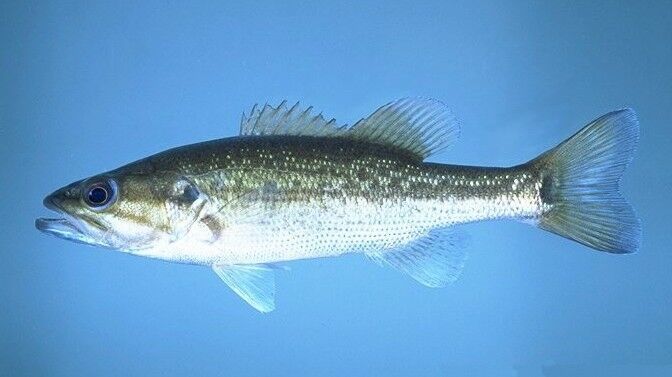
x: 88, y: 86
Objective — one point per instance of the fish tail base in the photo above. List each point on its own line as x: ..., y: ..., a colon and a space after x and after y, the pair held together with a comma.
x: 580, y: 185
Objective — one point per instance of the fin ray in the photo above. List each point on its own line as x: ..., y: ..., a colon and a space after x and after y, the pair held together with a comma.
x: 253, y: 283
x: 417, y: 126
x: 434, y: 260
x: 581, y: 185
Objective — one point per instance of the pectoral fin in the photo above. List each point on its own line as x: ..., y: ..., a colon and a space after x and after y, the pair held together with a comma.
x: 253, y: 283
x: 434, y: 260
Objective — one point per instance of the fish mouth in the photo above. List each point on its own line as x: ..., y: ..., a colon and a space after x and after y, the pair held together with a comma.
x: 65, y: 227
x: 61, y: 228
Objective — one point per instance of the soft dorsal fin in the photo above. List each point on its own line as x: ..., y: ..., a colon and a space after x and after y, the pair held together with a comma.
x: 418, y: 126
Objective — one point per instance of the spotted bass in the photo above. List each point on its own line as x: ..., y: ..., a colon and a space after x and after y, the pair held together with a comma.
x: 296, y: 186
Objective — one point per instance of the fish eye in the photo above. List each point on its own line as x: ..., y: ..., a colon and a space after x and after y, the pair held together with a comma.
x: 100, y: 195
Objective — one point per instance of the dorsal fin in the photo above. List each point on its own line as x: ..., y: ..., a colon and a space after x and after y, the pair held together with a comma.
x: 418, y: 126
x: 281, y: 120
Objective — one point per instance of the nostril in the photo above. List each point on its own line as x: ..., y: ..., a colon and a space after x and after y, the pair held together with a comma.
x: 72, y: 192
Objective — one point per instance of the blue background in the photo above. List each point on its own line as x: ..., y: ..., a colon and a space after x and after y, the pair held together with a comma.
x: 87, y: 87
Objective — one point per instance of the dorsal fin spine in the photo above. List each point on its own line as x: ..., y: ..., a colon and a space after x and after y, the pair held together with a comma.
x: 302, y: 118
x: 261, y: 115
x: 284, y: 124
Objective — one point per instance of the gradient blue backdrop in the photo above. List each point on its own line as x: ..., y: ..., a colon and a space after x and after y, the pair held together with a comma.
x: 86, y: 87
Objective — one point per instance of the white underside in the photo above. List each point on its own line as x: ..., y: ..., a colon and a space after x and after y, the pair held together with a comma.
x: 319, y: 229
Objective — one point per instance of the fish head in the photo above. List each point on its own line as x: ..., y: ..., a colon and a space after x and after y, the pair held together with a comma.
x: 130, y: 209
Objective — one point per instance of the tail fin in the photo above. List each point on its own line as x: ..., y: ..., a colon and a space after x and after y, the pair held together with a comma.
x: 581, y: 185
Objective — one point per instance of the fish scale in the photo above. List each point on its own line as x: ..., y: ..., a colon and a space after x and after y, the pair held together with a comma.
x: 334, y: 197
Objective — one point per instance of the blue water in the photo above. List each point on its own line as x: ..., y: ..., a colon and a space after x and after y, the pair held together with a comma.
x: 87, y: 87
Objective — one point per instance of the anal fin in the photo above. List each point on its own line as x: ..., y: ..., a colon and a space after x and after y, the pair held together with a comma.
x: 254, y: 283
x: 434, y: 260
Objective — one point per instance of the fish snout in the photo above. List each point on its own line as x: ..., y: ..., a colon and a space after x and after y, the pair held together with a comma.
x: 53, y: 202
x: 56, y: 201
x: 67, y: 225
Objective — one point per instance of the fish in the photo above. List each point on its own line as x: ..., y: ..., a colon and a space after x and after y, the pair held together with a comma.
x: 296, y: 185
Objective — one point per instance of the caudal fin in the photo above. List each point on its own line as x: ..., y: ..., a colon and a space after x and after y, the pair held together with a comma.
x: 580, y: 185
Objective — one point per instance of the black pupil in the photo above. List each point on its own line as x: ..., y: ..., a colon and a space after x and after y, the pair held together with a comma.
x: 97, y: 195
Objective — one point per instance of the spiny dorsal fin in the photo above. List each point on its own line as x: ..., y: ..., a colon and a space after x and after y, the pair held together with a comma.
x: 281, y: 120
x: 418, y: 126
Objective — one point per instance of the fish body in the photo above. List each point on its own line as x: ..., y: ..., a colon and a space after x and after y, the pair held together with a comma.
x: 329, y: 198
x: 295, y: 186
